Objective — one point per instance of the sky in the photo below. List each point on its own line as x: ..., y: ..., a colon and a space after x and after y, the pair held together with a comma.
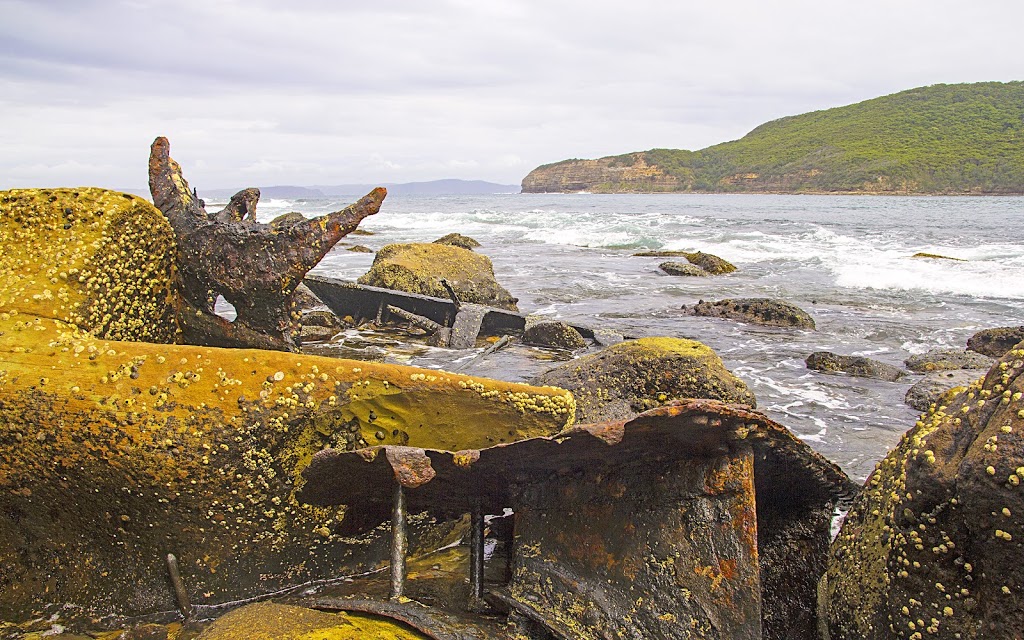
x: 322, y: 92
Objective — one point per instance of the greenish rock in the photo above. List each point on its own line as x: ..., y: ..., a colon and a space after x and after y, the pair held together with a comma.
x: 857, y: 366
x: 710, y: 263
x: 995, y: 342
x: 358, y: 248
x: 458, y: 240
x: 764, y: 311
x: 948, y: 359
x: 631, y: 377
x: 932, y: 547
x: 682, y: 269
x: 933, y: 386
x: 554, y: 334
x: 420, y: 268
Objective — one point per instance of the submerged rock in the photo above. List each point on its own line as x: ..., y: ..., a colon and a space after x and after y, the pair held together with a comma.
x: 557, y: 335
x: 766, y: 311
x: 633, y: 376
x: 458, y: 240
x: 933, y: 386
x: 857, y: 366
x: 935, y: 256
x: 948, y: 359
x: 682, y: 269
x: 995, y: 342
x: 420, y: 267
x: 933, y: 546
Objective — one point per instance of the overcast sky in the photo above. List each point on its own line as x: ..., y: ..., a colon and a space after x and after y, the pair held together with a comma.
x: 326, y: 92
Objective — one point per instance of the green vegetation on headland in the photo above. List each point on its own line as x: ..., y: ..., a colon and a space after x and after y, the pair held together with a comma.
x: 942, y: 139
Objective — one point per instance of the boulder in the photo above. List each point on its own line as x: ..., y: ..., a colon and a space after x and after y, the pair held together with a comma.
x: 631, y: 377
x: 710, y: 263
x: 765, y: 311
x: 557, y: 335
x: 934, y: 545
x: 358, y: 248
x: 682, y: 269
x: 995, y: 342
x: 116, y: 450
x: 420, y: 267
x: 948, y: 359
x: 930, y: 389
x: 857, y: 366
x: 458, y: 240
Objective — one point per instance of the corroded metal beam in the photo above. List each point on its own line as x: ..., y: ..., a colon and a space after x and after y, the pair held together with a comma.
x: 256, y: 267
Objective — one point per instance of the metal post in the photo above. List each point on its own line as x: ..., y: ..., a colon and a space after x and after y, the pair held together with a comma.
x: 476, y: 556
x: 399, y: 543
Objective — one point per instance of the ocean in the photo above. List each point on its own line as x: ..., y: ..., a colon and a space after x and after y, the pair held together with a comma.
x: 846, y: 260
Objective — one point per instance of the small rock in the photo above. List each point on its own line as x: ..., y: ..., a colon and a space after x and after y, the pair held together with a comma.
x: 358, y: 248
x: 710, y: 263
x: 312, y: 333
x: 306, y: 299
x: 995, y: 342
x: 321, y: 318
x: 935, y: 256
x: 857, y: 366
x: 554, y: 334
x: 682, y: 269
x: 933, y: 386
x: 458, y: 240
x: 766, y: 311
x: 947, y: 359
x: 607, y: 338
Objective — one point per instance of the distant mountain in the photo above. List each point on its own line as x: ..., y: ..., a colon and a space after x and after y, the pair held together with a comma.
x: 433, y: 188
x: 942, y: 139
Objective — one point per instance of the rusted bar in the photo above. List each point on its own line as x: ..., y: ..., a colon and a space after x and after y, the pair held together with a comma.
x: 423, y: 323
x: 399, y: 542
x: 180, y: 595
x: 476, y: 555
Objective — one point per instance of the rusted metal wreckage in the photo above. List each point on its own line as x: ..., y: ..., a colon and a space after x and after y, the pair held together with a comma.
x: 693, y: 520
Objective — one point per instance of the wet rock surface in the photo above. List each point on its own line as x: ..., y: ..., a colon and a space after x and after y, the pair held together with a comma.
x: 933, y: 386
x: 932, y: 547
x: 420, y: 267
x: 710, y: 263
x: 553, y: 334
x: 995, y: 342
x: 682, y: 269
x: 628, y: 378
x: 857, y: 366
x: 948, y: 359
x: 765, y: 311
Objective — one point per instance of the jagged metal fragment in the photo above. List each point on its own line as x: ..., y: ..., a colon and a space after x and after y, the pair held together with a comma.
x: 256, y: 267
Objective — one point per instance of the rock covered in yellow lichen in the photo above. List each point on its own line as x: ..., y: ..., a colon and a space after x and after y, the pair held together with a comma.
x: 100, y: 260
x: 631, y: 377
x: 934, y: 545
x: 269, y: 621
x: 420, y: 267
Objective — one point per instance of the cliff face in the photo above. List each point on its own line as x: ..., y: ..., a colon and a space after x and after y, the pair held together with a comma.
x: 605, y: 175
x: 944, y: 139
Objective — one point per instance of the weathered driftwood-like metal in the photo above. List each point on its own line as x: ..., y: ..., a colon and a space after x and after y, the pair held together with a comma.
x: 256, y: 267
x: 655, y: 527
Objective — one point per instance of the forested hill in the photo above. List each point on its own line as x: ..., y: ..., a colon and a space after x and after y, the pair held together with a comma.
x: 942, y: 139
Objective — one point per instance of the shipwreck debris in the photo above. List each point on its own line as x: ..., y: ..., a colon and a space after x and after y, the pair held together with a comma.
x: 256, y: 267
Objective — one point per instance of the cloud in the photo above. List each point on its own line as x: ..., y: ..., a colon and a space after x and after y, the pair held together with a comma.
x: 314, y: 92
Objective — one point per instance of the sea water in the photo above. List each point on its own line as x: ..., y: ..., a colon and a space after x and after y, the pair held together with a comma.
x: 845, y: 260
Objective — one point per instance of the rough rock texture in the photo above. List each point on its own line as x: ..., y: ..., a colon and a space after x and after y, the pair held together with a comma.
x: 930, y: 389
x: 766, y: 311
x: 617, y: 175
x: 256, y: 267
x: 269, y: 621
x: 554, y: 334
x: 358, y: 248
x: 947, y: 359
x: 857, y: 366
x: 114, y: 453
x: 633, y: 376
x: 934, y: 545
x: 710, y: 263
x: 682, y: 269
x: 420, y: 267
x: 458, y: 240
x: 995, y: 342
